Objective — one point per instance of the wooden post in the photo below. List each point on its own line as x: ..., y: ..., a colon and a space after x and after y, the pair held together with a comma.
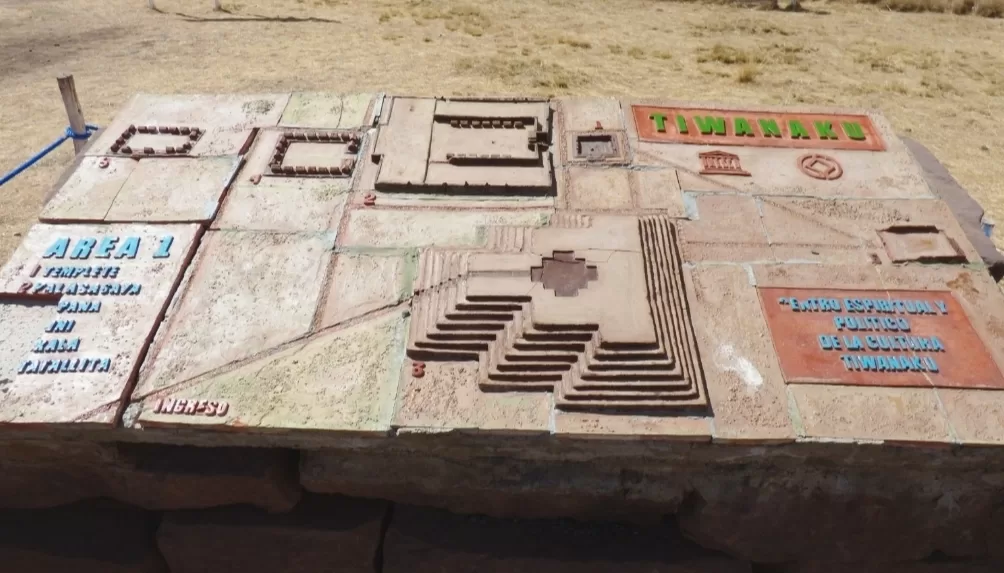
x: 217, y: 5
x: 72, y: 104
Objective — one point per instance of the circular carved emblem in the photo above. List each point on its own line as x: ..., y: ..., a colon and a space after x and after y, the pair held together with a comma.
x: 820, y: 166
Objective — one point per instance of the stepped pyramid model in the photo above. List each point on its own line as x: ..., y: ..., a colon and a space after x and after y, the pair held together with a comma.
x: 619, y: 338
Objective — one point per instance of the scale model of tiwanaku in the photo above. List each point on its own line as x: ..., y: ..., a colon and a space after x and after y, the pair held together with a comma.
x: 388, y: 273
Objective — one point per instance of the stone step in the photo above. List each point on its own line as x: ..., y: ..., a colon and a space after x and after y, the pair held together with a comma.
x: 648, y: 366
x: 525, y: 346
x: 551, y: 377
x: 541, y: 357
x: 467, y: 316
x: 488, y: 307
x: 625, y: 376
x: 472, y: 326
x: 532, y: 367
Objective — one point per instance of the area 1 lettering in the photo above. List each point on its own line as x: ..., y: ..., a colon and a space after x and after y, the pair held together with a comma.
x: 72, y: 306
x: 66, y: 365
x: 96, y: 272
x: 56, y: 345
x: 85, y: 247
x: 164, y: 250
x: 106, y: 248
x: 105, y: 289
x: 61, y: 326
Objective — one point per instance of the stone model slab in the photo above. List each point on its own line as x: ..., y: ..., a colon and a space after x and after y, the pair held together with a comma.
x: 381, y: 266
x: 595, y: 314
x: 164, y: 159
x: 80, y: 305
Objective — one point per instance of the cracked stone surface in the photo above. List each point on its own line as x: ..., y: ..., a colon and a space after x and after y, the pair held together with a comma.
x: 572, y: 303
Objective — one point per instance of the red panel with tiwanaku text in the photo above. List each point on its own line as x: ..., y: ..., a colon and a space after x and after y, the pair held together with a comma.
x: 877, y: 338
x: 756, y: 129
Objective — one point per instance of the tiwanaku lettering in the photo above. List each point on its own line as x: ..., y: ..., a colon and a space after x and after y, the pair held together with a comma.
x: 749, y: 128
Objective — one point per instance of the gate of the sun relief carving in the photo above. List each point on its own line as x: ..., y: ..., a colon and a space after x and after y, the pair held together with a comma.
x: 597, y: 315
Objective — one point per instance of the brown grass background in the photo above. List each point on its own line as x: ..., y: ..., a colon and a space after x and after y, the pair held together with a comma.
x: 938, y: 76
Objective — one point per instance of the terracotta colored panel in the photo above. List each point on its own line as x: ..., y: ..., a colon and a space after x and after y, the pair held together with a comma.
x: 749, y: 128
x: 867, y: 345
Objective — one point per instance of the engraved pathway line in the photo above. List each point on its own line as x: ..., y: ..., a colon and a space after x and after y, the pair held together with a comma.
x: 306, y: 338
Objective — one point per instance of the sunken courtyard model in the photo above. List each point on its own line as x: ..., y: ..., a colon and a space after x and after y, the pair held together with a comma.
x: 515, y: 306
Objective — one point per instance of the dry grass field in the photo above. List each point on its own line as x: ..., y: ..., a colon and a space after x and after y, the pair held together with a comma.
x: 939, y: 77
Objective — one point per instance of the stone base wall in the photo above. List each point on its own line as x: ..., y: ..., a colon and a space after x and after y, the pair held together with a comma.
x: 191, y: 510
x: 347, y: 535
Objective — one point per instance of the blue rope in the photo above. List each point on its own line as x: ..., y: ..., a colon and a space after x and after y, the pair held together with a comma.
x: 68, y: 134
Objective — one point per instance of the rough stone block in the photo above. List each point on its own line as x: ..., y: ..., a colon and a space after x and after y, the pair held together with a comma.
x: 493, y: 480
x: 226, y: 120
x: 408, y: 229
x: 857, y: 232
x: 810, y: 275
x: 447, y: 397
x: 594, y: 189
x: 163, y: 477
x: 319, y: 534
x: 362, y: 283
x: 659, y: 189
x: 421, y: 541
x: 925, y: 244
x: 973, y: 414
x: 95, y: 537
x: 465, y: 147
x: 247, y: 292
x: 967, y: 211
x: 327, y: 110
x: 925, y: 566
x: 595, y: 314
x: 47, y: 473
x: 913, y: 415
x: 174, y: 190
x: 90, y: 190
x: 261, y: 201
x: 403, y: 145
x: 847, y: 514
x: 744, y: 380
x: 582, y: 114
x: 341, y: 380
x: 728, y: 228
x: 284, y: 206
x: 589, y: 425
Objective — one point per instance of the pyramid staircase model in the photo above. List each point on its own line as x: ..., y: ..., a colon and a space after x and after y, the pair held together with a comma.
x: 585, y: 372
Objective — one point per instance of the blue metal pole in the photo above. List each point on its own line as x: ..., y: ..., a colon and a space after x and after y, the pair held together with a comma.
x: 34, y: 158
